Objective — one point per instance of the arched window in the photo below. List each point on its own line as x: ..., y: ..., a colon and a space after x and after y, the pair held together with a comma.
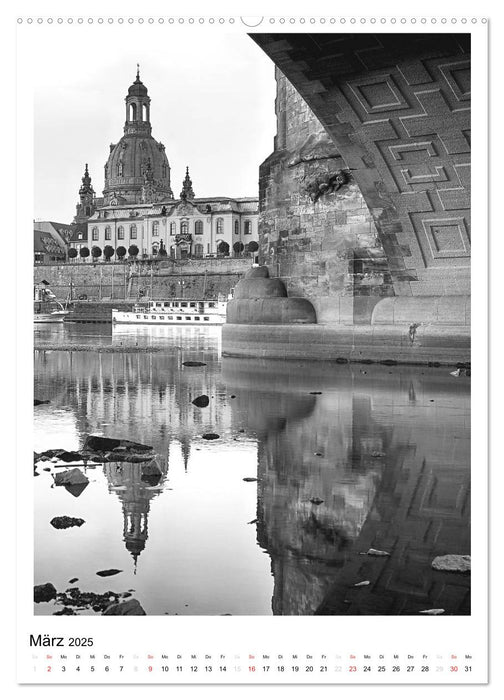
x: 133, y: 112
x: 133, y: 231
x: 173, y: 228
x: 248, y: 227
x: 108, y: 233
x: 237, y: 227
x: 220, y: 226
x: 198, y: 227
x: 155, y: 228
x: 184, y: 227
x: 198, y: 250
x: 95, y: 233
x: 120, y: 233
x: 88, y: 211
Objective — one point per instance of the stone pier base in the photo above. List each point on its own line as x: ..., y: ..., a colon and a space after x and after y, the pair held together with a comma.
x: 446, y: 345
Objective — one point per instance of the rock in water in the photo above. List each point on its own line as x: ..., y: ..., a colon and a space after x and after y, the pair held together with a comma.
x: 73, y: 580
x: 316, y: 501
x: 44, y: 593
x: 362, y: 583
x: 98, y: 443
x: 315, y: 392
x: 201, y: 401
x: 129, y: 607
x: 432, y: 611
x: 70, y: 477
x: 109, y: 572
x: 452, y: 562
x: 249, y: 478
x: 39, y: 402
x: 211, y: 436
x: 377, y: 553
x: 62, y: 522
x: 192, y: 363
x: 70, y: 456
x: 152, y: 468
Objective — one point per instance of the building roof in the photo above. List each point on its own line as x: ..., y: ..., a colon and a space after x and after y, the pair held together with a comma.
x: 44, y: 242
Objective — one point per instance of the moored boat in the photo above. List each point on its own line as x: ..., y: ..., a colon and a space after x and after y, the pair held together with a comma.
x: 207, y: 312
x: 46, y: 308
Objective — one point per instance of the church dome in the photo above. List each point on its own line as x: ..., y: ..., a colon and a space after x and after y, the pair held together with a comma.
x: 137, y: 169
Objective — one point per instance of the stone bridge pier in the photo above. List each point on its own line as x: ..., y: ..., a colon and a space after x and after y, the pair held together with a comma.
x: 365, y: 199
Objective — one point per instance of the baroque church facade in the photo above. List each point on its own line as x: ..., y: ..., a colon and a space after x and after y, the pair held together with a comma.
x: 139, y: 208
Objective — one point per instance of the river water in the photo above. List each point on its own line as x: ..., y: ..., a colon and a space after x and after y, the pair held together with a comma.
x: 346, y: 457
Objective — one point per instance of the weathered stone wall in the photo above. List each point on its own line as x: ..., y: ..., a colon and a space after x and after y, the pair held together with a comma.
x: 324, y: 249
x: 397, y: 108
x: 192, y: 279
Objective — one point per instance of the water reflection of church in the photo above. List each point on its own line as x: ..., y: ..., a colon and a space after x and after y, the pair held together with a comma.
x: 371, y: 462
x: 135, y: 490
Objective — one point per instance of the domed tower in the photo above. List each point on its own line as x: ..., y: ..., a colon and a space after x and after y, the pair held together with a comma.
x: 137, y: 169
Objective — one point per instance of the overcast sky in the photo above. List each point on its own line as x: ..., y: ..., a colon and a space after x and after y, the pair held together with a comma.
x: 212, y: 105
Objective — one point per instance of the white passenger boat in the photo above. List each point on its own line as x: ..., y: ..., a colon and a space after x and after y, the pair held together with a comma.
x: 178, y: 312
x: 46, y: 308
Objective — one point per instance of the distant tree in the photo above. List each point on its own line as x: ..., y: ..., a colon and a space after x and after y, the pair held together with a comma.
x: 121, y: 252
x: 72, y: 253
x: 238, y: 247
x: 96, y: 251
x: 133, y: 250
x: 108, y: 251
x: 223, y: 248
x: 84, y: 252
x: 253, y: 246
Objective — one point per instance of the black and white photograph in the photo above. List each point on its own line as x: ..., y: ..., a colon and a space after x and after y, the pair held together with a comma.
x: 252, y: 325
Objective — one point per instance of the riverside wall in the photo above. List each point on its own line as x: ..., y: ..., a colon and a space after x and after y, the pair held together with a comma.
x: 191, y: 279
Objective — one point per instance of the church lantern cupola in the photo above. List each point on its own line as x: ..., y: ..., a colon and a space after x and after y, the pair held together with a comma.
x: 137, y: 108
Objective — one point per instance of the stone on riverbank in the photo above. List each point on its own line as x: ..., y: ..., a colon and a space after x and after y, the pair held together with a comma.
x: 129, y: 607
x: 39, y: 402
x: 452, y: 562
x: 62, y: 522
x: 109, y: 572
x: 44, y: 593
x: 201, y: 401
x: 249, y: 478
x: 74, y: 597
x: 211, y: 436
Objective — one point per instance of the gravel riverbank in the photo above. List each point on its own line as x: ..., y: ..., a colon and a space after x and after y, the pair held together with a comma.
x: 73, y: 347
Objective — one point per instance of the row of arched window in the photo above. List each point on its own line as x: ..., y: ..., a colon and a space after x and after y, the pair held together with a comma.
x: 120, y: 233
x: 184, y: 229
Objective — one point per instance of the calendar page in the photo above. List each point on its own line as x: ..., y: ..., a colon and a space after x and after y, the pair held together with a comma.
x: 252, y: 417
